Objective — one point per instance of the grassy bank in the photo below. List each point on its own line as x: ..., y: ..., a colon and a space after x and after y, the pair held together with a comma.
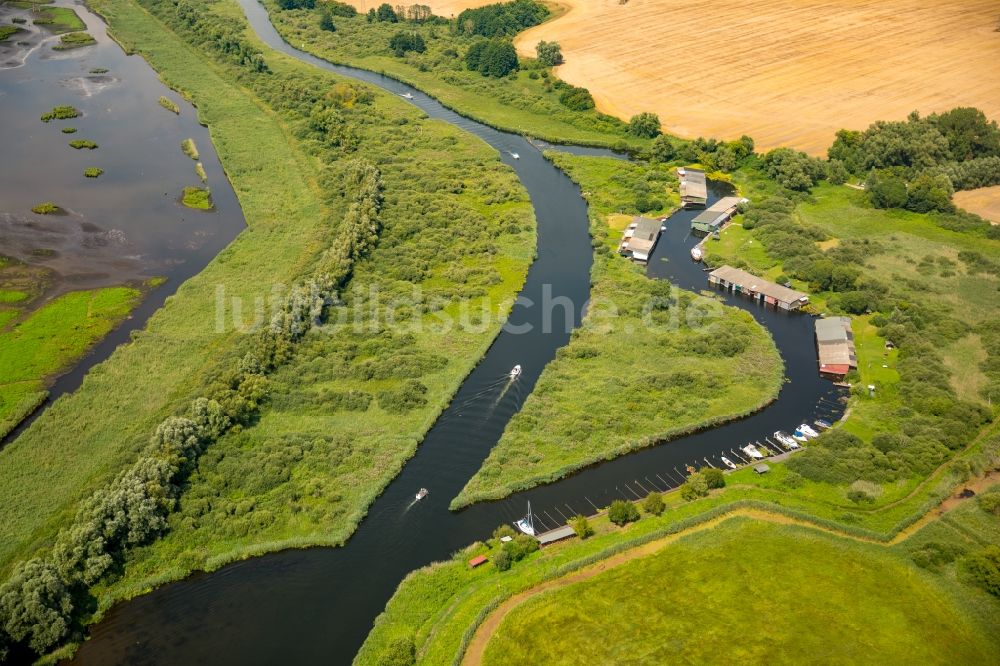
x: 51, y: 339
x: 600, y: 397
x: 526, y: 102
x: 752, y: 579
x: 436, y: 611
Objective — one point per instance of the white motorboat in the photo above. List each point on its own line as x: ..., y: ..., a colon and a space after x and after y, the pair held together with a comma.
x: 526, y: 524
x: 729, y: 463
x: 799, y: 435
x: 515, y: 156
x: 807, y: 431
x: 823, y: 424
x: 422, y: 493
x: 696, y: 253
x: 752, y: 451
x: 406, y: 96
x: 785, y: 439
x: 515, y: 372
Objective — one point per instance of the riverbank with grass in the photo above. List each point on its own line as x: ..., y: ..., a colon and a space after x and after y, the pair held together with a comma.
x: 343, y: 396
x: 448, y: 612
x: 52, y: 338
x: 600, y: 398
x: 526, y: 101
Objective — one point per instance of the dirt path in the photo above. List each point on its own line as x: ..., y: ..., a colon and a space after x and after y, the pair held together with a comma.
x: 477, y: 646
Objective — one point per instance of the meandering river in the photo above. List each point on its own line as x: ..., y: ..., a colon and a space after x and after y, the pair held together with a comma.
x: 317, y: 605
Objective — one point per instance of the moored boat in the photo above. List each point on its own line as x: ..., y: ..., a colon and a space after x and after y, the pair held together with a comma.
x: 785, y: 439
x: 799, y: 435
x: 807, y: 431
x: 823, y: 424
x: 526, y: 524
x: 728, y: 463
x: 696, y: 253
x: 752, y: 451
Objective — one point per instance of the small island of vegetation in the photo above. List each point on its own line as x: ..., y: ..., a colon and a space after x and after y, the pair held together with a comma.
x: 60, y: 113
x: 74, y: 40
x: 197, y: 197
x: 169, y: 104
x: 190, y: 149
x: 93, y: 172
x: 46, y: 208
x: 81, y: 144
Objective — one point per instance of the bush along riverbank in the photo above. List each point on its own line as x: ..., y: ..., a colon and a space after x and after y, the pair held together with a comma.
x: 501, y: 90
x: 463, y: 230
x: 597, y: 400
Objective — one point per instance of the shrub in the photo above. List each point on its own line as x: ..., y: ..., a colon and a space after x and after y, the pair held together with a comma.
x: 93, y: 172
x: 504, y: 530
x: 549, y: 53
x: 386, y: 14
x: 694, y: 487
x: 581, y: 526
x: 793, y: 169
x: 662, y: 149
x: 933, y: 555
x: 408, y: 396
x: 502, y: 560
x: 496, y: 58
x: 326, y: 22
x: 577, y: 99
x: 297, y: 4
x: 622, y: 513
x: 402, y: 42
x: 400, y: 651
x: 190, y: 149
x: 646, y: 125
x: 983, y: 568
x: 714, y: 478
x: 60, y: 113
x: 337, y: 8
x: 990, y: 502
x: 654, y: 504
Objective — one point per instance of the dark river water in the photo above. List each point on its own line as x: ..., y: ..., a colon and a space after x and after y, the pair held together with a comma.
x: 317, y: 605
x: 127, y: 225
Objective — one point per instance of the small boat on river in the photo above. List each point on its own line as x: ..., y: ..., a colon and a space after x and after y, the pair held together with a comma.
x: 515, y: 156
x: 696, y: 253
x: 406, y: 96
x: 526, y: 524
x: 422, y: 493
x: 515, y: 372
x: 799, y: 435
x: 752, y: 451
x: 823, y: 424
x: 729, y: 463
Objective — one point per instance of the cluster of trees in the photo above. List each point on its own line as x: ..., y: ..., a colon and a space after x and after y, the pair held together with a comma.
x: 502, y: 19
x: 700, y: 483
x: 297, y: 4
x: 549, y: 53
x: 792, y: 169
x: 402, y: 42
x: 37, y: 601
x: 918, y: 163
x: 714, y: 154
x: 492, y: 57
x: 622, y: 512
x: 223, y: 35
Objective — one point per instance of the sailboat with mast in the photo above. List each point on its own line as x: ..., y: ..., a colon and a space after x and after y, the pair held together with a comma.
x: 526, y: 524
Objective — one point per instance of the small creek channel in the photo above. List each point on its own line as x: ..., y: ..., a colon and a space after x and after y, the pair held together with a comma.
x: 127, y: 225
x: 317, y: 605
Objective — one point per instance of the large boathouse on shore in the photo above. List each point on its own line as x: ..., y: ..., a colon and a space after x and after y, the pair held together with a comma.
x: 740, y: 282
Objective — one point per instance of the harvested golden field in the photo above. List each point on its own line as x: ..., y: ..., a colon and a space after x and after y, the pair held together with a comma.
x: 786, y: 72
x: 984, y: 202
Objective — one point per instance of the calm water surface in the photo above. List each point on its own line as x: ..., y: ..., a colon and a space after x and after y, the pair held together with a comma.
x: 317, y: 606
x: 127, y: 225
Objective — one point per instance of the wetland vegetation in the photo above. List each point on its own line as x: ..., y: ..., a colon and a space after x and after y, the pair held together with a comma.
x: 197, y: 197
x: 93, y: 172
x: 169, y: 104
x: 60, y: 113
x: 80, y: 144
x: 74, y: 40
